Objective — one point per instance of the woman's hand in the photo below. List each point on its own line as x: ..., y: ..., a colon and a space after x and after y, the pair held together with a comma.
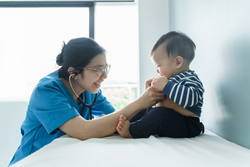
x: 150, y: 97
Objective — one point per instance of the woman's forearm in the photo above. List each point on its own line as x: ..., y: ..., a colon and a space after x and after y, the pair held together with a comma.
x: 106, y: 125
x: 80, y: 128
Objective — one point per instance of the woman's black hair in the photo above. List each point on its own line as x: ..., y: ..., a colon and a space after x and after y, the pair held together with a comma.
x: 77, y: 53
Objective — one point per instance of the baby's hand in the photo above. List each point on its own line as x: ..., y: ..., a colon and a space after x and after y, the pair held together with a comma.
x: 159, y: 83
x: 148, y: 83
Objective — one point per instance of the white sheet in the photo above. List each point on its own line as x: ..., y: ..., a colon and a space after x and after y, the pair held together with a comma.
x: 206, y: 150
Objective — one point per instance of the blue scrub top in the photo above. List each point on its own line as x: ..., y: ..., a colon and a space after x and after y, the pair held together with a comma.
x: 50, y: 106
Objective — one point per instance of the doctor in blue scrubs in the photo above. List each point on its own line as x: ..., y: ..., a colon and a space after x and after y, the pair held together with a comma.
x: 64, y: 101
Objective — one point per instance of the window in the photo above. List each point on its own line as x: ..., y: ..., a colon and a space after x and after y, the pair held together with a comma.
x: 30, y: 40
x: 32, y: 35
x: 116, y: 29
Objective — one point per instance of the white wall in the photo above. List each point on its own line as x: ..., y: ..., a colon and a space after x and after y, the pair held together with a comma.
x: 221, y: 31
x: 11, y: 117
x: 153, y: 22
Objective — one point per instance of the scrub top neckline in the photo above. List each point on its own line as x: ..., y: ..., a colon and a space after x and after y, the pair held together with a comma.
x: 72, y: 100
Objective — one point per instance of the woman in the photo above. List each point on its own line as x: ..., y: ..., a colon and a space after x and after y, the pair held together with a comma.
x: 57, y: 104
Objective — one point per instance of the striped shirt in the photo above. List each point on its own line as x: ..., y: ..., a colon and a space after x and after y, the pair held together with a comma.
x: 186, y: 90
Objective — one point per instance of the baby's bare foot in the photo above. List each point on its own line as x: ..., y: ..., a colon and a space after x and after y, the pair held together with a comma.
x: 123, y: 127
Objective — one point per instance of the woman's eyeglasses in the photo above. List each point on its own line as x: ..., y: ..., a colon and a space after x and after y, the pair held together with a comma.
x: 100, y: 70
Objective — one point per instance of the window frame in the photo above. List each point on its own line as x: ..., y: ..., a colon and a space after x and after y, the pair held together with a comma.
x: 47, y: 4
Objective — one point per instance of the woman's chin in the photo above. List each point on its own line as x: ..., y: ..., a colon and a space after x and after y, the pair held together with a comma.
x: 93, y: 90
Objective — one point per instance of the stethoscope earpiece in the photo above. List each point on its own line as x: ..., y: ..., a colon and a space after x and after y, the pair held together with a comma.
x: 73, y: 72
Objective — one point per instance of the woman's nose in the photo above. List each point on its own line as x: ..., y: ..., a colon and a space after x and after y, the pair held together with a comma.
x: 104, y: 76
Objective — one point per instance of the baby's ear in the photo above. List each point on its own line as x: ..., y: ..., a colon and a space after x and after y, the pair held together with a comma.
x: 179, y: 61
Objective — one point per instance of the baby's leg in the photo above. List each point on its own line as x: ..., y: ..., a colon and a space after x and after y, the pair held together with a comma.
x: 138, y: 116
x: 123, y: 127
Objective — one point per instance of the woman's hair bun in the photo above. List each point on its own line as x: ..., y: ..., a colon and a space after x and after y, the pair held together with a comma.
x: 59, y: 58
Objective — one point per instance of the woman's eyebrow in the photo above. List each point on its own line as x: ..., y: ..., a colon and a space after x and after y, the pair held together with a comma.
x: 101, y: 65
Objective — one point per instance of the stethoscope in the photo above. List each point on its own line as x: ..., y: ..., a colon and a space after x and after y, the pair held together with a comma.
x: 79, y: 98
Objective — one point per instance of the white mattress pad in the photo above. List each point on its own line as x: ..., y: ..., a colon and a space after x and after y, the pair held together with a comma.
x: 206, y: 150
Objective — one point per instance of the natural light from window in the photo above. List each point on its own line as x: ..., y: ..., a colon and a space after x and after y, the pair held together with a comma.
x: 31, y: 38
x: 116, y: 29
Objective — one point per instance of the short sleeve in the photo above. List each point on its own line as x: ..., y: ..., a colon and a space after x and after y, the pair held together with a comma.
x: 51, y: 106
x: 102, y: 106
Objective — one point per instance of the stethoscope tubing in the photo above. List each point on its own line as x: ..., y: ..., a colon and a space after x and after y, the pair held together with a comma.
x: 79, y: 98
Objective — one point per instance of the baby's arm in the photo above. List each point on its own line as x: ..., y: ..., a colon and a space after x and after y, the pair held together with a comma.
x: 159, y: 84
x: 187, y: 92
x: 176, y: 107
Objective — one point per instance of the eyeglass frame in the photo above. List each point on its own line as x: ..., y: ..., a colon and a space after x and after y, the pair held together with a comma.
x: 97, y: 69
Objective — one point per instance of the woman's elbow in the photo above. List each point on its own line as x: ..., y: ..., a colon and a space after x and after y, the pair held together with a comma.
x: 77, y: 127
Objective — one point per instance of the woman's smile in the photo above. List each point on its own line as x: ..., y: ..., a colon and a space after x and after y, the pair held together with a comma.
x: 97, y: 85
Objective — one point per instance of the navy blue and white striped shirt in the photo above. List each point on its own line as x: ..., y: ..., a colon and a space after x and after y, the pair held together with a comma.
x: 187, y: 90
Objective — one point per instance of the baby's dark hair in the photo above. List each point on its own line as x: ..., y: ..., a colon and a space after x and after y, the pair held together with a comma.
x: 178, y: 44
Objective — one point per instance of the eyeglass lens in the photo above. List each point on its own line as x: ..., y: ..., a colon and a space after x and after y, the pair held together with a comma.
x: 101, y: 70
